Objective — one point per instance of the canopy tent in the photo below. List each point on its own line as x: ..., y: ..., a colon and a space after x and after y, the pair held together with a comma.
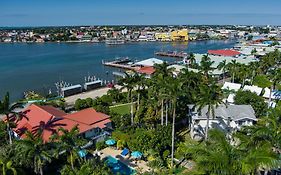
x: 82, y: 153
x: 136, y: 154
x: 110, y: 142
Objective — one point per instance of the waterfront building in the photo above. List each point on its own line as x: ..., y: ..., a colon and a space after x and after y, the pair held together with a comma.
x: 179, y: 35
x: 92, y: 125
x: 165, y: 36
x: 149, y: 62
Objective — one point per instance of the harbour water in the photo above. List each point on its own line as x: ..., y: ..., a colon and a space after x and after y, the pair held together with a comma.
x: 38, y: 66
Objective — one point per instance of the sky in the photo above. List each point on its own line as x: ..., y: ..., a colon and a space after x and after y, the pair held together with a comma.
x: 18, y: 13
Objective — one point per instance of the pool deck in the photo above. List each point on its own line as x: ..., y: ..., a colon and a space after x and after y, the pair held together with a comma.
x: 140, y: 166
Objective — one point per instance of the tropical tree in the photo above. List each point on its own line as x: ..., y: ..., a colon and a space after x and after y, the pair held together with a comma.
x: 233, y: 68
x: 192, y: 59
x: 140, y: 84
x: 12, y: 117
x: 69, y: 142
x: 174, y: 92
x: 211, y: 97
x: 34, y: 148
x: 128, y: 83
x: 7, y: 167
x: 217, y: 155
x: 254, y: 68
x: 160, y: 79
x: 222, y: 66
x: 250, y: 98
x: 206, y: 66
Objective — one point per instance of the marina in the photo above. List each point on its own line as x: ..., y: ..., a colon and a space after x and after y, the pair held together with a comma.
x: 38, y: 66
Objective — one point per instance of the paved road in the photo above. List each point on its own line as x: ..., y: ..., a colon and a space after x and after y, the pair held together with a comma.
x: 92, y: 94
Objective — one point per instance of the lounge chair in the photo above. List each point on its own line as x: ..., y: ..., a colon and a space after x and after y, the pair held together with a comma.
x: 125, y: 152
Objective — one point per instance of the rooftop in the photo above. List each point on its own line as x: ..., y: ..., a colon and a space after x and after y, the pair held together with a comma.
x: 230, y: 53
x: 149, y: 62
x: 234, y: 112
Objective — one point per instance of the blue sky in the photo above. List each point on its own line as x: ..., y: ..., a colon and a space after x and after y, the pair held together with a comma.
x: 144, y: 12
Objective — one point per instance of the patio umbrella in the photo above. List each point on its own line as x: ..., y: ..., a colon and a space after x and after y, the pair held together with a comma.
x: 110, y: 142
x: 136, y: 154
x: 82, y: 153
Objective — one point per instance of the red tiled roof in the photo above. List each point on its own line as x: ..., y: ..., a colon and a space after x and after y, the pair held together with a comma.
x: 85, y: 120
x: 224, y: 52
x: 146, y: 70
x: 87, y: 116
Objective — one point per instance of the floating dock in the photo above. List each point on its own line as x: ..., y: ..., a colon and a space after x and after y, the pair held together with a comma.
x: 172, y: 54
x: 123, y: 64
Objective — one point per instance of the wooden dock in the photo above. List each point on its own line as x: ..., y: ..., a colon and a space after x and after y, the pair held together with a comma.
x: 172, y: 54
x: 122, y: 66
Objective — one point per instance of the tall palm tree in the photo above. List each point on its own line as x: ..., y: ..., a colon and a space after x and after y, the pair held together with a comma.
x: 254, y: 67
x: 69, y: 142
x: 128, y: 83
x: 7, y: 167
x: 217, y: 156
x: 175, y: 91
x: 210, y: 96
x: 243, y: 73
x: 161, y: 75
x: 192, y: 59
x: 232, y: 67
x: 12, y: 117
x: 206, y: 66
x: 263, y: 81
x: 140, y: 84
x: 223, y: 66
x: 34, y: 147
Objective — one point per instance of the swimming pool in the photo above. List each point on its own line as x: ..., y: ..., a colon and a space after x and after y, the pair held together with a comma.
x: 118, y: 167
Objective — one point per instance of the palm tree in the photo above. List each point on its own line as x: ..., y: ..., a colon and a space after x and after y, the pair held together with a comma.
x: 34, y: 147
x: 140, y: 84
x: 263, y: 81
x: 128, y: 83
x: 174, y: 92
x: 162, y: 74
x: 232, y: 67
x: 69, y: 142
x: 254, y: 67
x: 217, y: 156
x: 243, y: 73
x: 206, y: 66
x: 223, y: 66
x: 210, y: 96
x: 7, y: 167
x: 11, y: 116
x: 192, y: 59
x: 257, y: 152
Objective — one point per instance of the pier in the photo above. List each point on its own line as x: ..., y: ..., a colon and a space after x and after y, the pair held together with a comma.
x: 123, y: 64
x: 172, y: 54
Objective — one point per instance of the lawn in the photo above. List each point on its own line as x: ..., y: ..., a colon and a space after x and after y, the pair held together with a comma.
x: 121, y: 109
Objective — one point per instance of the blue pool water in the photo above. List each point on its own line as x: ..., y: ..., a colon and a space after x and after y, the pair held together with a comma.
x: 118, y: 167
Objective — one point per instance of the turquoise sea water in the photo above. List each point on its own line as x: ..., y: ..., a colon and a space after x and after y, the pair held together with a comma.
x: 38, y: 66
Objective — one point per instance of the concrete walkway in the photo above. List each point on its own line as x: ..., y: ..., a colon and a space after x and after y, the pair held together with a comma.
x: 70, y: 101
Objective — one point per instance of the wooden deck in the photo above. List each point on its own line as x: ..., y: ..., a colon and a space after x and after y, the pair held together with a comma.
x: 122, y: 66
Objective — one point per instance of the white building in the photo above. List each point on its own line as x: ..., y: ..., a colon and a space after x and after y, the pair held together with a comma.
x: 227, y: 119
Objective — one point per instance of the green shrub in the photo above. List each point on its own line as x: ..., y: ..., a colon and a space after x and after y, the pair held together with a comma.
x: 100, y: 145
